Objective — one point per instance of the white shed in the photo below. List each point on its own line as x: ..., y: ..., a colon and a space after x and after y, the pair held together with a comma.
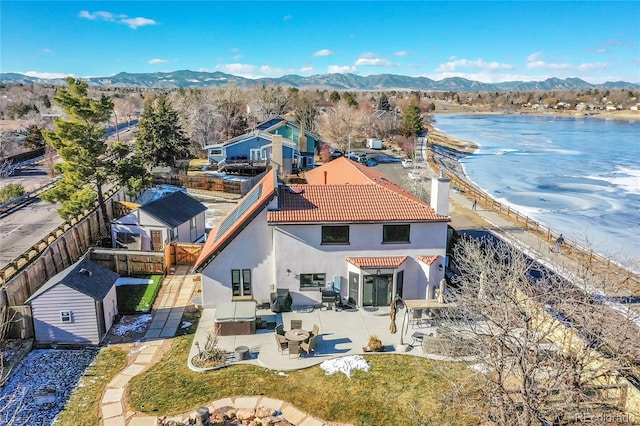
x: 76, y: 306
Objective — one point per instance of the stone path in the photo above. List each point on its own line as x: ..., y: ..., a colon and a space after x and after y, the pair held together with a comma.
x: 175, y: 295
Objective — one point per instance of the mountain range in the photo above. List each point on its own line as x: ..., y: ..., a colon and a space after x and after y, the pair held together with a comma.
x: 197, y: 79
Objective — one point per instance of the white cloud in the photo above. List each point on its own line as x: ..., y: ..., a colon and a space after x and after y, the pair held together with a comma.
x: 46, y: 50
x: 236, y: 57
x: 340, y: 69
x: 119, y: 19
x: 37, y: 74
x: 535, y: 62
x: 534, y: 57
x: 306, y: 70
x: 235, y: 49
x: 287, y: 17
x: 323, y: 52
x: 138, y: 22
x: 157, y: 61
x: 237, y: 69
x: 372, y: 60
x: 599, y: 50
x: 401, y: 53
x: 473, y: 64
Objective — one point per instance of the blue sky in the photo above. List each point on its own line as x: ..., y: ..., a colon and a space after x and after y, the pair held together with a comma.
x: 480, y: 40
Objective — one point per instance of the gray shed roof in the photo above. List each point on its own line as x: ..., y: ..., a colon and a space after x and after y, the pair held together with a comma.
x: 174, y: 209
x: 84, y: 276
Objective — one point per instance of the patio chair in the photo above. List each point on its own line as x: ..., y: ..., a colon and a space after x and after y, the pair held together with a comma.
x: 315, y: 331
x: 294, y: 348
x: 416, y: 317
x: 281, y: 342
x: 296, y: 324
x: 417, y: 337
x: 310, y: 346
x: 279, y: 330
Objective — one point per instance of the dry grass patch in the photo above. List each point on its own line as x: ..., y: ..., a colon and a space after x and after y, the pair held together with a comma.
x: 83, y: 408
x: 399, y: 389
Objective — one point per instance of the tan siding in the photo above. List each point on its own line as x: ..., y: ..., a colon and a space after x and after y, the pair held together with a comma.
x: 46, y: 316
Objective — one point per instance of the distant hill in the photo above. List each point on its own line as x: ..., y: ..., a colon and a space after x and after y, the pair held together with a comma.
x: 186, y: 78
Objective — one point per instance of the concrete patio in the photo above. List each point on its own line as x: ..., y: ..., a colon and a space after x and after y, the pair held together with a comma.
x: 341, y: 333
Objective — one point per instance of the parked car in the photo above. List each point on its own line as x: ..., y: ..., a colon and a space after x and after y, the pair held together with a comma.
x: 363, y: 159
x: 371, y: 162
x: 407, y: 163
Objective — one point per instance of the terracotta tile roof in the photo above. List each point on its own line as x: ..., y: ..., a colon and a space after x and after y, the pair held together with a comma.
x: 377, y: 262
x: 352, y: 193
x: 429, y: 260
x: 225, y: 230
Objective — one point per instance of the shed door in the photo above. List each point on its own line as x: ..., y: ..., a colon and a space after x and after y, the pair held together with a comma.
x: 156, y: 240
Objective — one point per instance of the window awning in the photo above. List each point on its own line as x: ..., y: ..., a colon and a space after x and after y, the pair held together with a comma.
x: 377, y: 262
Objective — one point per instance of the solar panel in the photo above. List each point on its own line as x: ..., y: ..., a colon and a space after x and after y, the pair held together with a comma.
x: 240, y: 209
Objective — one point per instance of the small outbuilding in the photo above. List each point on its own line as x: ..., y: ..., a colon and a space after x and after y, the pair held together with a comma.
x: 172, y: 217
x: 76, y: 306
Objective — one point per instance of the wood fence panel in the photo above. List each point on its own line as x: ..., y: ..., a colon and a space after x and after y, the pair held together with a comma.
x: 21, y: 322
x: 186, y: 254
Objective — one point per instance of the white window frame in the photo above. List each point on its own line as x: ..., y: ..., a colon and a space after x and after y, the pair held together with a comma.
x: 66, y: 316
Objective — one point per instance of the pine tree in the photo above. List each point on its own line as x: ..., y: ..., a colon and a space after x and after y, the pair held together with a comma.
x: 411, y: 121
x: 80, y: 141
x: 160, y: 140
x: 33, y: 139
x: 383, y: 104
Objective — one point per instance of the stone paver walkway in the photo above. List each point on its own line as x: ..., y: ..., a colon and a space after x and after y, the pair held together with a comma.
x: 175, y: 294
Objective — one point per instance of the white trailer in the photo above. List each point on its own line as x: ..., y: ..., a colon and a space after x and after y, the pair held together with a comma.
x: 373, y: 143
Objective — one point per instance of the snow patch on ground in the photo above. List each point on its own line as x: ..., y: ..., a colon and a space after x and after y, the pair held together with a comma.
x: 136, y: 326
x: 345, y: 365
x: 133, y: 281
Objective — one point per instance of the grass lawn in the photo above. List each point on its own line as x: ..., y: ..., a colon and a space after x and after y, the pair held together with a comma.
x: 398, y: 389
x: 83, y: 408
x: 139, y: 297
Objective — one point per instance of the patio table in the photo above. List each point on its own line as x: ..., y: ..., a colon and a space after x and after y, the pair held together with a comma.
x: 297, y: 335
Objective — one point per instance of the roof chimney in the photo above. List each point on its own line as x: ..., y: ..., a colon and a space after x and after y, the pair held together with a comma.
x: 440, y: 194
x: 277, y: 155
x: 86, y: 272
x: 302, y: 140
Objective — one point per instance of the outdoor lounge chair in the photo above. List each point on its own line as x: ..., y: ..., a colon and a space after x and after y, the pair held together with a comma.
x: 279, y: 329
x: 294, y: 348
x: 296, y: 324
x: 310, y: 346
x: 281, y: 342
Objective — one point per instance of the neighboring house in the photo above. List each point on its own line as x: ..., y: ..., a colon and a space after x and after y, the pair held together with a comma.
x: 173, y: 217
x: 76, y: 306
x: 294, y: 148
x: 349, y: 228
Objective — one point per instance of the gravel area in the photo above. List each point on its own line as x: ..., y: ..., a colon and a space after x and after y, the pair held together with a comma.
x: 41, y: 384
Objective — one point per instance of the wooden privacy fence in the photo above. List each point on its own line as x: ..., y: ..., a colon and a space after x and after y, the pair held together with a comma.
x: 129, y: 262
x: 206, y: 182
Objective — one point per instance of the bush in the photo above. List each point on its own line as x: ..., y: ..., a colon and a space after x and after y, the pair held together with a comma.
x: 11, y: 191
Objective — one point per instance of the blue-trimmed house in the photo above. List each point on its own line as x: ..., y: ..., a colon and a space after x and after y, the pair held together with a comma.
x: 278, y: 141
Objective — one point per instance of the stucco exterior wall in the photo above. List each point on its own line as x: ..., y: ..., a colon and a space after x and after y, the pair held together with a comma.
x: 251, y: 249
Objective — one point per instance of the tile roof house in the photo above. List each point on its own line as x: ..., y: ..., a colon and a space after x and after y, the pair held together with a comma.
x: 76, y: 306
x: 175, y: 216
x: 348, y: 228
x: 276, y: 141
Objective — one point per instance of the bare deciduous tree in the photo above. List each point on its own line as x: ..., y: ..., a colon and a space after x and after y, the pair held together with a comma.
x: 342, y: 126
x: 543, y: 351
